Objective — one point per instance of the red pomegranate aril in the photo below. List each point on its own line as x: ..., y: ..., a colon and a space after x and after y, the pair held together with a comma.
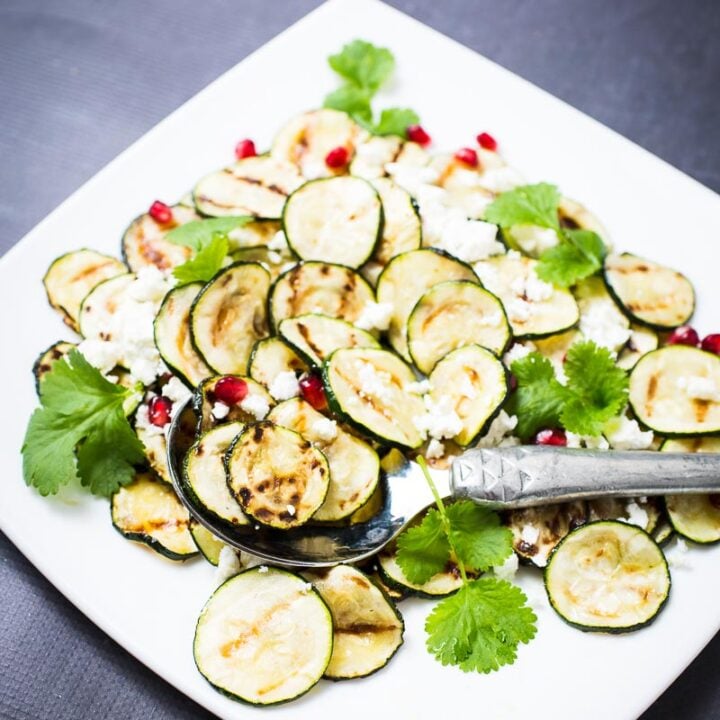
x: 230, y: 390
x: 711, y: 343
x: 159, y: 410
x: 160, y: 212
x: 486, y: 141
x: 553, y: 436
x: 337, y: 158
x: 245, y: 149
x: 467, y: 156
x: 312, y: 390
x: 684, y: 335
x: 416, y: 134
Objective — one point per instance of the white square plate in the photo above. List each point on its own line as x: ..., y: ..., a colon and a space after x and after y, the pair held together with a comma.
x: 150, y: 605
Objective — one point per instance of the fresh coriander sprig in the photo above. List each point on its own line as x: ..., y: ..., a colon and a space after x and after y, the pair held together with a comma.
x: 480, y: 627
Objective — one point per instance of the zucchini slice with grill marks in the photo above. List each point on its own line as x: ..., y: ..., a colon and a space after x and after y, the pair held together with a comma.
x: 276, y: 475
x: 270, y: 357
x: 148, y: 511
x: 47, y: 358
x: 608, y: 576
x: 264, y: 637
x: 676, y: 391
x: 649, y: 293
x: 402, y: 229
x: 366, y: 387
x: 316, y: 337
x: 249, y: 410
x: 601, y: 320
x: 255, y: 186
x: 337, y: 220
x: 253, y: 235
x: 354, y: 465
x: 695, y: 517
x: 144, y: 242
x: 100, y: 305
x: 368, y: 629
x: 534, y: 308
x: 451, y: 315
x: 475, y: 381
x: 172, y: 335
x: 643, y: 512
x: 72, y: 276
x: 663, y: 532
x: 204, y: 473
x: 229, y: 316
x: 208, y: 545
x: 407, y: 278
x: 315, y: 287
x: 642, y: 340
x: 372, y: 155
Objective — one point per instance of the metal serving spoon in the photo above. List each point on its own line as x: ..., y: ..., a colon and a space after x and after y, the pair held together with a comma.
x: 503, y: 478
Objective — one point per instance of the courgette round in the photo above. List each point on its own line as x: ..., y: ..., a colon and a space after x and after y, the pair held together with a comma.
x: 402, y: 227
x: 444, y: 583
x: 208, y: 545
x: 47, y: 358
x: 270, y: 357
x: 246, y: 411
x: 100, y: 305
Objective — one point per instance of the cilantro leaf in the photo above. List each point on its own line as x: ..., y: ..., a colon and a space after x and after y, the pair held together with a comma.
x: 79, y: 408
x: 598, y: 388
x: 539, y: 398
x: 526, y: 205
x: 352, y: 100
x: 205, y: 264
x: 395, y: 121
x: 199, y: 233
x: 480, y: 627
x: 579, y: 254
x: 363, y: 64
x: 423, y: 550
x: 477, y: 535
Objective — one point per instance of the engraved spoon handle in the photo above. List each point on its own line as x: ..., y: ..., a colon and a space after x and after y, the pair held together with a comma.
x: 515, y: 477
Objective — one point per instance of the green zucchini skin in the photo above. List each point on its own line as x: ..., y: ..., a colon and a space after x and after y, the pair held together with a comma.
x: 204, y: 540
x: 47, y: 358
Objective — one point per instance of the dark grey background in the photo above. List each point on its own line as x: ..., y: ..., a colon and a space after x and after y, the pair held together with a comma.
x: 80, y: 80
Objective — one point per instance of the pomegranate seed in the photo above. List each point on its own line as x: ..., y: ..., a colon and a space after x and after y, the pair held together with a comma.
x: 551, y: 437
x: 486, y: 141
x: 711, y: 343
x: 159, y: 411
x: 467, y: 156
x: 230, y: 390
x: 244, y: 149
x: 512, y: 382
x: 338, y: 157
x: 684, y: 335
x: 312, y: 390
x: 415, y: 133
x: 161, y: 212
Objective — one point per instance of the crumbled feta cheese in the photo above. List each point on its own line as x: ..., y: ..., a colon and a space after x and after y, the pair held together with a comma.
x: 500, y: 432
x: 501, y: 179
x: 142, y: 420
x: 255, y: 405
x: 284, y: 386
x: 374, y: 151
x: 290, y: 510
x: 699, y: 388
x: 421, y: 387
x: 587, y: 441
x: 375, y: 316
x: 530, y: 534
x: 625, y: 434
x: 278, y: 242
x: 220, y: 410
x: 312, y: 168
x: 518, y: 309
x: 440, y: 419
x: 307, y: 587
x: 533, y: 239
x: 508, y: 569
x: 325, y: 429
x: 435, y: 449
x: 677, y: 555
x: 150, y: 285
x: 263, y: 569
x: 636, y: 515
x: 413, y: 178
x: 101, y: 354
x: 489, y: 276
x: 228, y: 564
x: 374, y: 382
x: 274, y: 257
x: 176, y: 390
x: 532, y: 288
x: 517, y: 352
x: 603, y: 323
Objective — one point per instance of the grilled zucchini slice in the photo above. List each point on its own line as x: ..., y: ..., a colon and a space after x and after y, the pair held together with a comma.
x: 276, y: 475
x: 100, y: 305
x: 172, y: 335
x: 368, y: 630
x: 354, y: 465
x: 675, y: 391
x: 72, y: 276
x: 608, y: 576
x: 144, y: 242
x: 204, y: 473
x: 476, y: 382
x: 270, y: 357
x: 372, y: 155
x: 47, y: 358
x: 444, y: 583
x: 648, y: 293
x: 155, y: 445
x: 245, y: 412
x: 337, y: 220
x: 253, y: 235
x: 402, y: 229
x: 695, y: 517
x: 208, y: 545
x: 642, y: 340
x: 229, y: 316
x: 315, y: 287
x: 534, y: 308
x: 264, y: 637
x: 451, y: 315
x: 366, y: 387
x: 600, y: 318
x: 255, y: 186
x: 316, y: 337
x: 622, y: 509
x: 407, y: 278
x: 148, y: 511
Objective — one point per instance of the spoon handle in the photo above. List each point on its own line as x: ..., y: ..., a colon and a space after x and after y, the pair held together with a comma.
x: 515, y: 477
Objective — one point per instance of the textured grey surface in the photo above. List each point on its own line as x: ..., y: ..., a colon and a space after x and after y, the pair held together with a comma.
x: 80, y: 80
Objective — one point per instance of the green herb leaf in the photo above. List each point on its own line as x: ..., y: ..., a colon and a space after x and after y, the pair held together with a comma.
x: 352, y: 100
x: 79, y: 408
x: 579, y: 254
x: 205, y: 264
x: 199, y: 233
x: 395, y: 121
x: 363, y: 64
x: 481, y: 626
x: 423, y: 550
x: 526, y: 205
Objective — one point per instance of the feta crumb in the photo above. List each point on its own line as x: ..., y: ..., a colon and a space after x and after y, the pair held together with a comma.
x: 150, y: 285
x: 435, y: 449
x: 518, y: 309
x: 278, y: 242
x: 325, y: 429
x: 312, y: 169
x: 413, y: 178
x: 636, y: 515
x: 220, y: 410
x: 508, y: 569
x: 625, y: 434
x: 255, y: 405
x: 101, y: 354
x: 501, y: 179
x: 532, y: 288
x: 677, y: 555
x: 699, y: 388
x: 176, y: 391
x: 530, y: 534
x: 603, y: 323
x: 228, y: 564
x: 533, y: 239
x: 375, y: 316
x: 422, y: 387
x: 284, y: 386
x: 374, y: 382
x: 489, y: 276
x: 440, y: 419
x: 517, y: 352
x: 307, y: 587
x: 500, y: 431
x: 290, y: 510
x: 263, y: 569
x: 586, y: 441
